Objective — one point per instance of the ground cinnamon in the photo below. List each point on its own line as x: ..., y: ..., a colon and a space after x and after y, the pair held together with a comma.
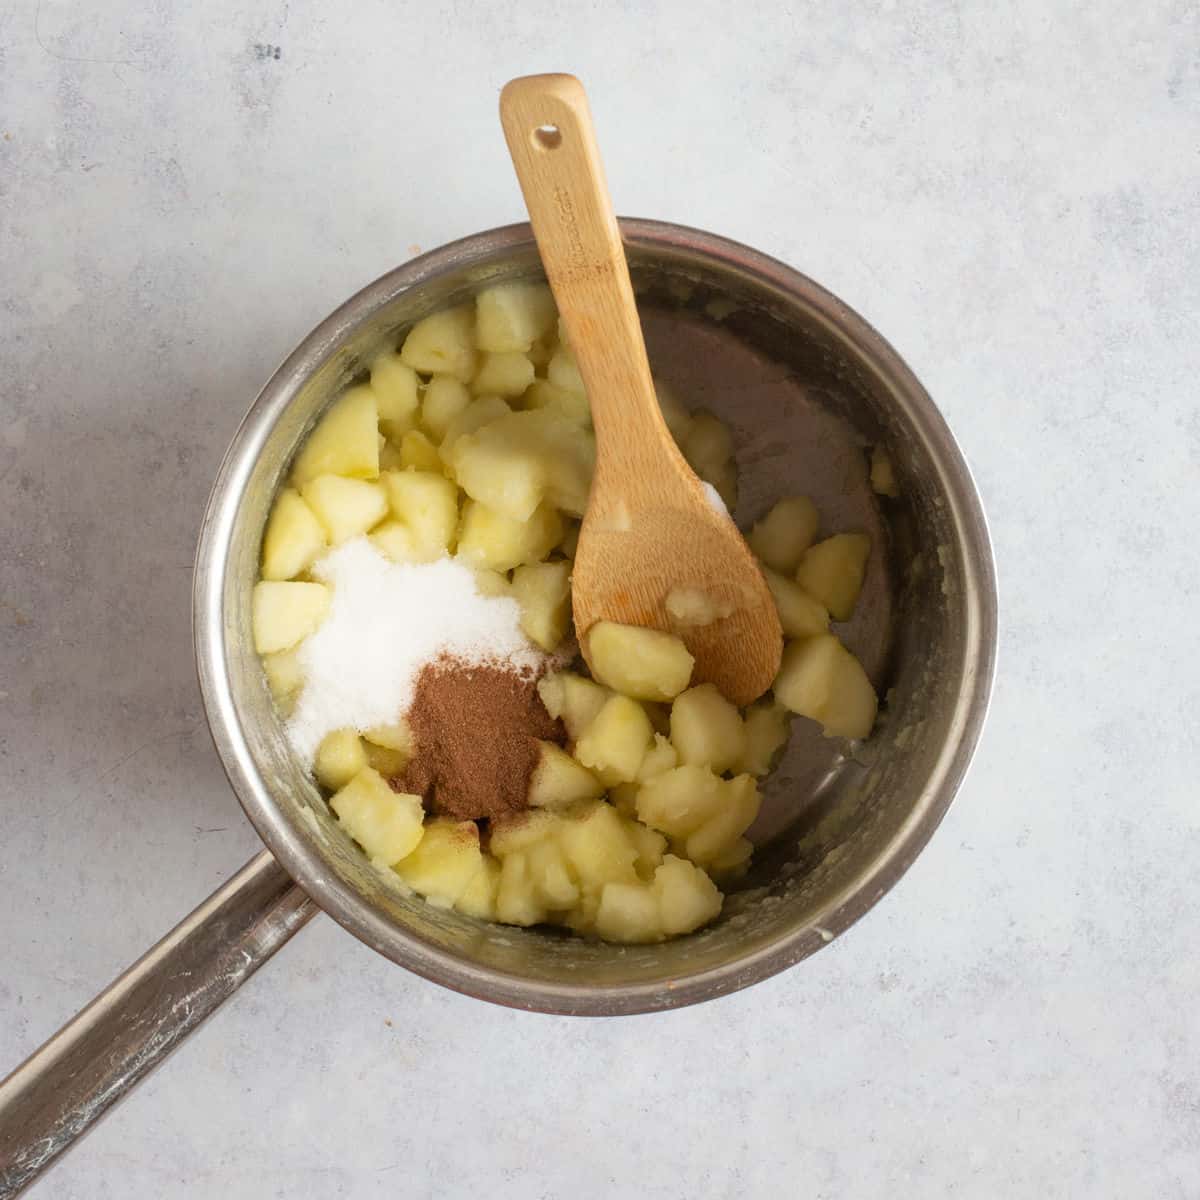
x: 476, y: 730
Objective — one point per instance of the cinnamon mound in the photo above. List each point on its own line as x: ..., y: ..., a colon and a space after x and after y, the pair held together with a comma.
x: 476, y: 730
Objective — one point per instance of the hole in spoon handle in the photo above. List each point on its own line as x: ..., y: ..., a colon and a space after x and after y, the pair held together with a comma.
x: 548, y: 126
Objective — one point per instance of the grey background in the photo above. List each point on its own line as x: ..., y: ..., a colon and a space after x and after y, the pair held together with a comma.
x: 1011, y: 193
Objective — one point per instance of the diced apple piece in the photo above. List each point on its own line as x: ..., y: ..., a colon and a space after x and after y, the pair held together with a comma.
x: 708, y: 447
x: 345, y: 440
x: 543, y: 591
x: 819, y: 678
x: 427, y: 503
x: 551, y: 879
x: 582, y: 918
x: 629, y: 913
x: 489, y: 539
x: 340, y: 757
x: 517, y: 900
x: 542, y: 394
x: 512, y: 316
x: 395, y: 388
x: 782, y: 536
x: 572, y: 699
x: 678, y: 802
x: 492, y: 583
x: 396, y: 736
x: 708, y: 444
x: 388, y: 762
x: 395, y: 541
x: 883, y: 473
x: 661, y: 757
x: 285, y: 676
x: 852, y: 705
x: 417, y: 453
x: 445, y: 862
x: 687, y: 898
x: 706, y: 729
x: 832, y: 571
x: 284, y: 613
x: 479, y: 899
x: 563, y: 372
x: 293, y: 538
x: 733, y: 860
x: 799, y: 614
x: 502, y: 374
x: 646, y: 664
x: 649, y: 844
x: 513, y: 461
x: 616, y: 742
x: 386, y: 824
x: 570, y: 451
x: 506, y: 472
x: 443, y: 344
x: 678, y: 419
x: 389, y: 747
x: 345, y: 507
x: 767, y: 729
x: 597, y: 847
x: 558, y: 780
x: 522, y: 830
x: 445, y: 399
x: 806, y: 674
x: 739, y: 806
x: 475, y: 416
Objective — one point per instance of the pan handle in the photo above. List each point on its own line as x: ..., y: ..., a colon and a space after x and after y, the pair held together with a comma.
x: 64, y: 1087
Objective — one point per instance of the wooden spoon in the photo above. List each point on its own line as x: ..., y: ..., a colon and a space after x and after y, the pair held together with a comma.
x: 654, y: 540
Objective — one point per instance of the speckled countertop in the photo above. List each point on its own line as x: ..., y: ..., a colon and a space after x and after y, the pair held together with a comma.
x: 1010, y: 193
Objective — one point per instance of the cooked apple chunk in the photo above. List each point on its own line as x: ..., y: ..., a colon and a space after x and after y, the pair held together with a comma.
x: 386, y: 824
x: 819, y: 678
x: 645, y: 664
x: 832, y: 572
x: 283, y: 614
x: 345, y: 440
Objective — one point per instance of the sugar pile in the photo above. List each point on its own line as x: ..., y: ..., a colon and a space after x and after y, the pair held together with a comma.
x: 386, y: 621
x: 714, y: 499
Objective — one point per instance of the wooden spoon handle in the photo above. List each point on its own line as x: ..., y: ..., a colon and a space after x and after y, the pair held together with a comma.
x: 548, y: 127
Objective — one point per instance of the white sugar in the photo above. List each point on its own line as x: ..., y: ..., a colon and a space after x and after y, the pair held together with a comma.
x: 386, y: 621
x: 714, y: 499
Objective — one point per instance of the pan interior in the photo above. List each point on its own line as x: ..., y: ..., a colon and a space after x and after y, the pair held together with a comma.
x: 806, y: 403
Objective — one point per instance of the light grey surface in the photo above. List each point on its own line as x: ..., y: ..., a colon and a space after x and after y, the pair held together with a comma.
x: 1013, y: 198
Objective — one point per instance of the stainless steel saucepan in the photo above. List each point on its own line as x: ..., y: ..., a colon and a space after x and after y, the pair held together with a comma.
x: 809, y: 389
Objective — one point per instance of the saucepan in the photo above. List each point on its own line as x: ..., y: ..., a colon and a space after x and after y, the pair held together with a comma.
x: 811, y: 392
